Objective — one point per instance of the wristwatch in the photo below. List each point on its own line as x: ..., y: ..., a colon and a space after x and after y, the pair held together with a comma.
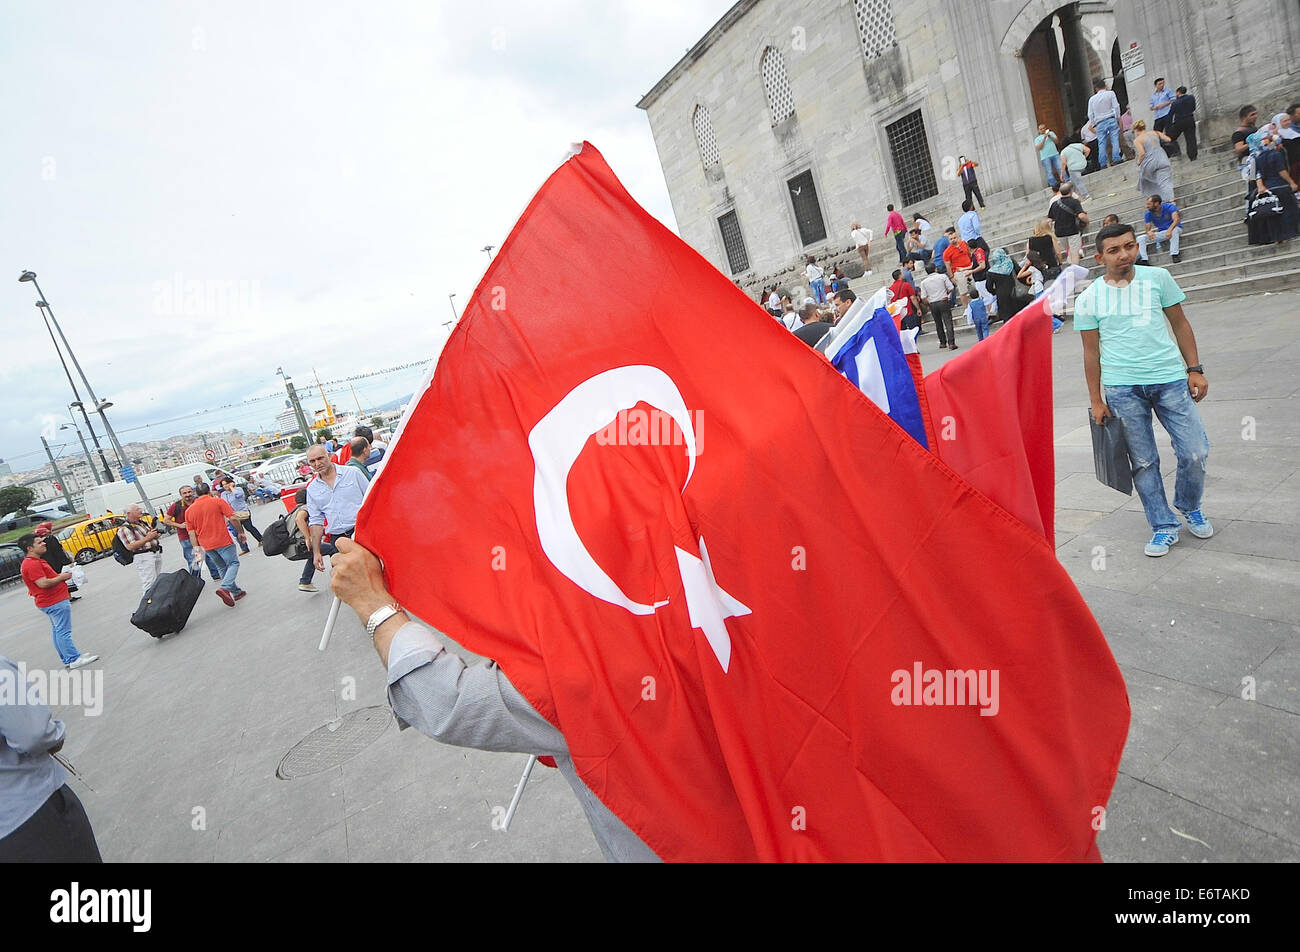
x: 379, y: 616
x: 1198, y: 369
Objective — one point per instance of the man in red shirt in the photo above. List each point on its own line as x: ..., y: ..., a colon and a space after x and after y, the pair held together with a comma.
x: 957, y: 257
x: 50, y: 591
x: 210, y: 520
x: 904, y: 291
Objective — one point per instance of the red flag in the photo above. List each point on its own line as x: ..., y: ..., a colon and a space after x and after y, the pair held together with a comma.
x: 738, y: 589
x: 992, y: 409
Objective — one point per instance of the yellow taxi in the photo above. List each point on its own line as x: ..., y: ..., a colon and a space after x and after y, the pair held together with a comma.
x: 88, y: 540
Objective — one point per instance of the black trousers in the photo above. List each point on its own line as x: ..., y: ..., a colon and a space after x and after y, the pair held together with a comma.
x: 1161, y: 124
x: 59, y: 832
x: 1184, y: 127
x: 973, y: 188
x: 941, y: 311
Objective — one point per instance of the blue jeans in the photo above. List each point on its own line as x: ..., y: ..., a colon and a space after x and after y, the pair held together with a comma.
x: 309, y: 566
x: 819, y: 290
x: 1173, y: 404
x: 227, y: 559
x: 1076, y: 179
x: 899, y: 242
x: 60, y: 614
x: 1052, y: 166
x: 1108, y: 132
x: 187, y: 550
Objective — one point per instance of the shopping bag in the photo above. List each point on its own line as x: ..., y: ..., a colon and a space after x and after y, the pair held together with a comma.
x: 78, y: 576
x: 1110, y: 455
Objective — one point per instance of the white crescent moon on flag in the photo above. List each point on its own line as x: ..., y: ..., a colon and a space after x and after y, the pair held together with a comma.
x: 558, y: 439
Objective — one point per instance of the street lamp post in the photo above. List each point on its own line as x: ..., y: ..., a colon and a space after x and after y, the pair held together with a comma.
x: 100, y: 405
x: 108, y: 472
x: 488, y: 249
x: 454, y: 316
x: 297, y: 406
x: 89, y: 461
x: 58, y: 477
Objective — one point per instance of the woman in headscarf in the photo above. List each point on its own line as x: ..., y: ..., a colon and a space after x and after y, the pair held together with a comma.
x: 1290, y: 142
x: 1001, y: 282
x: 1155, y: 175
x: 1272, y: 177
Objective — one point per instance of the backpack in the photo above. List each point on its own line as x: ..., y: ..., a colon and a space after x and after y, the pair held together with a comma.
x: 275, y: 537
x: 299, y: 547
x: 282, y: 538
x: 123, y: 555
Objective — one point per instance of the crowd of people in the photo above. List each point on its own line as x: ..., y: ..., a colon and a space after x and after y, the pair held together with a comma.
x: 1269, y: 157
x: 998, y: 282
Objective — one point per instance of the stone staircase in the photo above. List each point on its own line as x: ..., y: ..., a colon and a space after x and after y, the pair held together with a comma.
x: 1217, y: 263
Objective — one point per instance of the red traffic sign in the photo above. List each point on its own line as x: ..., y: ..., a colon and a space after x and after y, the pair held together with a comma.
x: 210, y: 455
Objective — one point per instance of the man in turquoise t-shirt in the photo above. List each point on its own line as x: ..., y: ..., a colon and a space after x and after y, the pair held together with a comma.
x: 1047, y: 153
x: 1128, y: 353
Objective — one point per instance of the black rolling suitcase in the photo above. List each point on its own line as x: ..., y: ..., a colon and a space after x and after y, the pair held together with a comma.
x: 167, y: 606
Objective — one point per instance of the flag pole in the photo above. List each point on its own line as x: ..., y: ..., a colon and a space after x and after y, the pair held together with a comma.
x: 329, y: 625
x: 519, y: 791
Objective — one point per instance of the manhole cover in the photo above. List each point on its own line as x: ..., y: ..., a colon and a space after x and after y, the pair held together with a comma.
x: 334, y: 743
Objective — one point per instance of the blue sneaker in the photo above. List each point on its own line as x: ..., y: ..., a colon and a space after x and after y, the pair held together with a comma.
x: 1160, y: 543
x: 1198, y: 525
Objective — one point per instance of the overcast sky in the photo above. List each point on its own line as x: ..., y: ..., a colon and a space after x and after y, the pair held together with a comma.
x: 338, y: 164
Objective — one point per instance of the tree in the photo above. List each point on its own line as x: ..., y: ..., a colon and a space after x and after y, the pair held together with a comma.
x: 266, y: 454
x: 376, y: 421
x: 298, y: 443
x: 16, y: 498
x: 324, y: 433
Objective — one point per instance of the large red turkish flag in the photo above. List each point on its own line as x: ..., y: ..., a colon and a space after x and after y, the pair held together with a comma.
x: 740, y: 601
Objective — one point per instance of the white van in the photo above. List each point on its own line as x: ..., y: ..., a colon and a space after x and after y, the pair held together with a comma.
x: 161, y: 487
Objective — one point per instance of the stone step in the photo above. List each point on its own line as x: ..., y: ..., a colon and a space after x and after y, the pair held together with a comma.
x: 1213, y: 255
x: 1102, y: 184
x: 1243, y: 273
x: 1276, y: 281
x: 1196, y: 265
x: 1229, y: 215
x: 1194, y: 208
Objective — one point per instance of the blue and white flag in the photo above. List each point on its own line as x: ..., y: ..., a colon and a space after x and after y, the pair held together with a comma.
x: 872, y: 358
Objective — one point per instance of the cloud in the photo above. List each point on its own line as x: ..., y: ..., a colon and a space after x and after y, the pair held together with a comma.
x: 342, y: 165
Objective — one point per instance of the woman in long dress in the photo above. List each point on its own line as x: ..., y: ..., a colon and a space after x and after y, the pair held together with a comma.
x: 1273, y: 175
x: 1155, y: 175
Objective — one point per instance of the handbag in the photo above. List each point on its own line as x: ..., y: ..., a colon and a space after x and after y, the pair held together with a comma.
x: 1265, y: 206
x: 1110, y: 457
x: 243, y: 515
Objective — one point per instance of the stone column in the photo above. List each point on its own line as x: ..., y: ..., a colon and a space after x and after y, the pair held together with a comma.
x: 999, y: 111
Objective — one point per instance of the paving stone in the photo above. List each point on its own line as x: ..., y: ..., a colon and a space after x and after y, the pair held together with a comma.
x: 1164, y: 711
x: 1202, y: 647
x: 1248, y: 585
x: 1240, y: 761
x: 1141, y: 821
x: 1277, y: 679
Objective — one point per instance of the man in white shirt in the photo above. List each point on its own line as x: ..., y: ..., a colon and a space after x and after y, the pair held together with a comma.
x: 935, y: 289
x: 333, y: 497
x: 862, y: 238
x: 1103, y: 116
